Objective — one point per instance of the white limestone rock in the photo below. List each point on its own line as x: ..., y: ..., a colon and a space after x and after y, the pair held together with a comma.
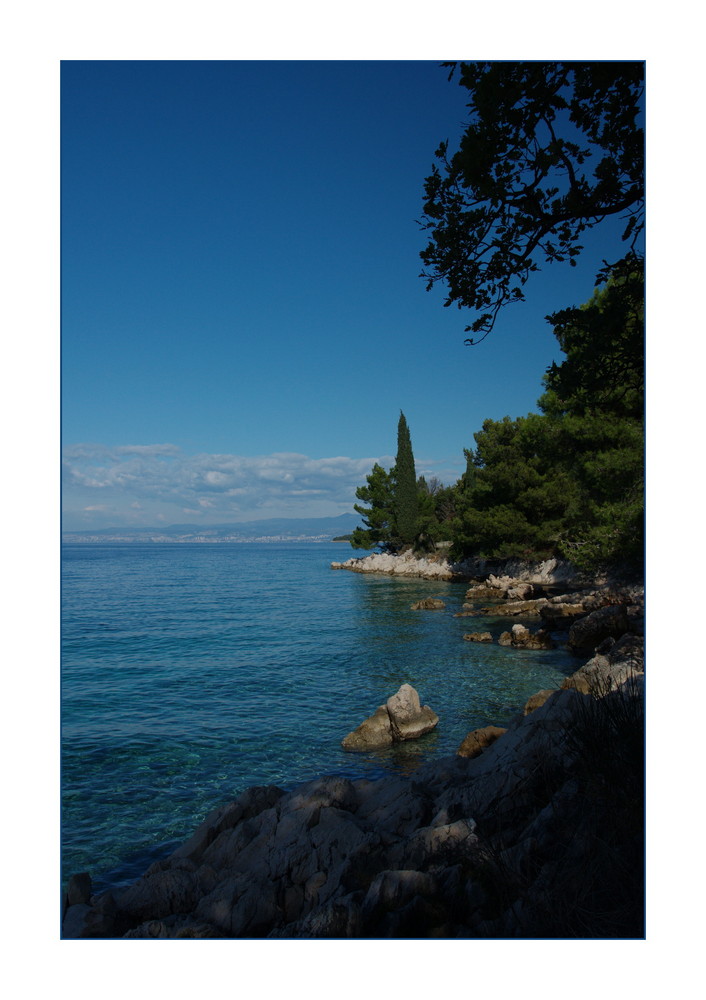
x: 401, y: 718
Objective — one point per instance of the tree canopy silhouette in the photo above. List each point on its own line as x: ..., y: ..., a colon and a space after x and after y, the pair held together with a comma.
x: 550, y: 150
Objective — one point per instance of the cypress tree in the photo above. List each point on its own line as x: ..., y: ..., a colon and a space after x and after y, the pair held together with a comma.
x: 406, y: 503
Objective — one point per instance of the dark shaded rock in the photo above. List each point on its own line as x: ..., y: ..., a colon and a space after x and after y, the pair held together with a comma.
x: 629, y: 650
x: 103, y: 920
x: 243, y: 843
x: 394, y: 808
x: 327, y: 791
x: 478, y: 637
x: 392, y: 889
x: 78, y: 889
x: 340, y: 918
x: 158, y: 895
x: 624, y: 661
x: 445, y: 842
x: 586, y: 633
x: 74, y: 923
x: 252, y: 802
x: 242, y: 905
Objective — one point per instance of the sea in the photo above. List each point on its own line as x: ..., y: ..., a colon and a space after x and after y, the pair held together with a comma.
x: 192, y: 671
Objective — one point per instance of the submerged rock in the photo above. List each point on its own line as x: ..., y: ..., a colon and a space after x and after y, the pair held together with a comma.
x: 478, y: 637
x: 429, y: 604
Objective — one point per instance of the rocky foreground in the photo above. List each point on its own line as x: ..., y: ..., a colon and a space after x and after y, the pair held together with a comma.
x: 532, y: 831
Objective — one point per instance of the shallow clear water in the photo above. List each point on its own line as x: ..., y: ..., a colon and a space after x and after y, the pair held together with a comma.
x: 192, y: 671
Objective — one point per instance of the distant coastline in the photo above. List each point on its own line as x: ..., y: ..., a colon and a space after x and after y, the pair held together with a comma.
x: 81, y: 539
x: 268, y: 530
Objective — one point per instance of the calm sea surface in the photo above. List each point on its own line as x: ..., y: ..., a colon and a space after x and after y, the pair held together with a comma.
x: 192, y: 671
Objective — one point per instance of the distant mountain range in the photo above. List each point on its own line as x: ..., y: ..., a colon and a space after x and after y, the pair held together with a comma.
x: 271, y: 529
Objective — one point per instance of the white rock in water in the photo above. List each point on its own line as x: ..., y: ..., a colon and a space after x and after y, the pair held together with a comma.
x: 401, y: 718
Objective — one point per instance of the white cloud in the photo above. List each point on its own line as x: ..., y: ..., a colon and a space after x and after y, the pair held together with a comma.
x: 162, y: 480
x: 147, y: 449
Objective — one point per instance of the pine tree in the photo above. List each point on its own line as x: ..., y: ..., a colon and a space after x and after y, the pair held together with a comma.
x: 378, y: 516
x: 406, y: 500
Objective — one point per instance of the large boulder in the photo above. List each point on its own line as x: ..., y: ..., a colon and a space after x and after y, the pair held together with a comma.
x: 408, y: 717
x: 373, y: 733
x: 401, y: 718
x: 586, y: 633
x: 78, y: 890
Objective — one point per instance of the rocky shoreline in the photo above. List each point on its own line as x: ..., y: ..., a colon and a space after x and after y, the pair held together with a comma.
x: 438, y: 567
x: 535, y: 830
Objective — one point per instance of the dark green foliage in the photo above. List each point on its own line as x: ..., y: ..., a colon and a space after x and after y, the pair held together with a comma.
x: 379, y: 516
x: 604, y: 344
x: 514, y: 503
x: 569, y: 481
x: 595, y: 399
x: 550, y: 150
x: 436, y: 508
x: 404, y: 512
x: 406, y: 502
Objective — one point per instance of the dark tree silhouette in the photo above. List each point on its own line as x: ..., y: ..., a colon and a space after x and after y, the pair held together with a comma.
x: 550, y: 150
x: 406, y: 501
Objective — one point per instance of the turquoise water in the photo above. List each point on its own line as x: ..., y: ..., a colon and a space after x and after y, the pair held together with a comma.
x: 192, y: 671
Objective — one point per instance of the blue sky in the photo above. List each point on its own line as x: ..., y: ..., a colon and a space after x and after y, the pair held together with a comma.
x: 242, y: 313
